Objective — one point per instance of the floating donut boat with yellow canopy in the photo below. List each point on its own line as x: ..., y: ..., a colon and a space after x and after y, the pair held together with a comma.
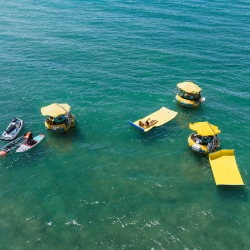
x: 206, y: 140
x: 60, y: 119
x: 189, y: 95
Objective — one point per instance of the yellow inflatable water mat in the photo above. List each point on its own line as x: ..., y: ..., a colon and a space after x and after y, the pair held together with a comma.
x: 225, y: 169
x: 157, y: 118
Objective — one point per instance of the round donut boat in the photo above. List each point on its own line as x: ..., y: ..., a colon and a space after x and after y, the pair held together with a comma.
x: 206, y: 140
x: 188, y: 103
x: 189, y: 95
x: 200, y: 148
x: 60, y: 119
x: 63, y: 126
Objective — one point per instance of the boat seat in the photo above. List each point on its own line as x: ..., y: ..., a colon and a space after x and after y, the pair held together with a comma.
x: 10, y: 128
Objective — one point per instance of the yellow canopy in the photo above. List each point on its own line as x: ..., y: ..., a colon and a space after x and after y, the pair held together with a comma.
x: 162, y: 116
x: 189, y: 87
x: 55, y: 109
x: 225, y: 169
x: 204, y: 128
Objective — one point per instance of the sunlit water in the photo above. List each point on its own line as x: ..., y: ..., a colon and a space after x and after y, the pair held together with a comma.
x: 107, y: 185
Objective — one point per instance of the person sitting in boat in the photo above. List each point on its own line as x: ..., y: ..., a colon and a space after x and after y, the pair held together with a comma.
x: 181, y: 92
x: 197, y: 97
x: 147, y: 124
x: 198, y: 141
x: 206, y: 139
x: 188, y: 96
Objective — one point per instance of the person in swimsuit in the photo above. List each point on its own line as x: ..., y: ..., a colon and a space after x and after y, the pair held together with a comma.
x: 147, y: 124
x: 188, y: 96
x: 153, y: 122
x: 206, y: 139
x: 30, y: 140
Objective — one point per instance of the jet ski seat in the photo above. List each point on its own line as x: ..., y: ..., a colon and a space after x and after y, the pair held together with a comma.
x: 10, y: 129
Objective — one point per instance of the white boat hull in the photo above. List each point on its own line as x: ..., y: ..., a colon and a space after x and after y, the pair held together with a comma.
x: 12, y: 130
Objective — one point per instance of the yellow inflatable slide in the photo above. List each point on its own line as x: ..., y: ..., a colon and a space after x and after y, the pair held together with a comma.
x: 225, y: 169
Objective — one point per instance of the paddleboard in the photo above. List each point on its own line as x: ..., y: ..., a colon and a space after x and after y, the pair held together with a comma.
x: 24, y: 147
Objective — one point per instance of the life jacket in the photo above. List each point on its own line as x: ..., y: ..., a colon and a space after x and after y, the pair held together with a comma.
x: 27, y: 135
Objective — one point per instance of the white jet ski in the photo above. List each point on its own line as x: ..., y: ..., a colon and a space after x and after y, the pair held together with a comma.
x: 13, y: 130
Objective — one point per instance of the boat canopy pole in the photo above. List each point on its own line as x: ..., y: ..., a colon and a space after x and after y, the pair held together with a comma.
x: 62, y: 107
x: 215, y: 137
x: 67, y: 113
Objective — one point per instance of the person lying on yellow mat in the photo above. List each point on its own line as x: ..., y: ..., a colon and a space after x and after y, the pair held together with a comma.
x: 147, y: 124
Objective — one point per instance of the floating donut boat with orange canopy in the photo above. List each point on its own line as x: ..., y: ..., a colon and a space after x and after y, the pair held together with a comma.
x: 189, y: 95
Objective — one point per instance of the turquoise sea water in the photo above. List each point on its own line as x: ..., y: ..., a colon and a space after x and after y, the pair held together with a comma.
x: 106, y: 185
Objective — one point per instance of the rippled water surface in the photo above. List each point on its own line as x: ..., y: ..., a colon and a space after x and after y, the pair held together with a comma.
x: 107, y: 185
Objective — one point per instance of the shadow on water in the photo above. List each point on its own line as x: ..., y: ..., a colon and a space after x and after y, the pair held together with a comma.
x: 72, y: 134
x: 233, y: 192
x: 185, y: 111
x: 63, y: 142
x: 197, y: 155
